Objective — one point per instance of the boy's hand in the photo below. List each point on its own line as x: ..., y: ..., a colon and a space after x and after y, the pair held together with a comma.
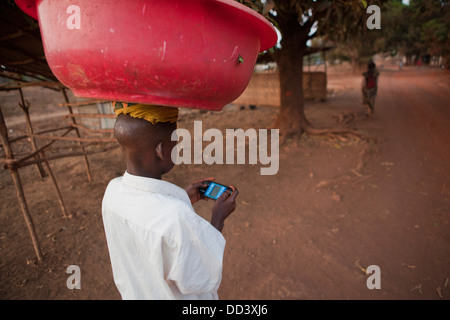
x: 223, y: 207
x: 193, y: 189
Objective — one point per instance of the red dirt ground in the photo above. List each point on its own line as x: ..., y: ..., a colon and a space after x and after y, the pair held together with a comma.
x: 337, y: 205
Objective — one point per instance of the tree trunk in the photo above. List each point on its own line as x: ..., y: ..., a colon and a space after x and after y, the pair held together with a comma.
x: 408, y: 60
x: 291, y: 119
x: 354, y: 60
x: 353, y: 53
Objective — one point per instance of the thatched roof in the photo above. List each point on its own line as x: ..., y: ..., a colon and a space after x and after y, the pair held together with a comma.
x: 21, y: 50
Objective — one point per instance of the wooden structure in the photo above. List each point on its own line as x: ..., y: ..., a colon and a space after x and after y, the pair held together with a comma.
x: 264, y: 86
x: 37, y: 155
x: 264, y: 89
x: 22, y: 61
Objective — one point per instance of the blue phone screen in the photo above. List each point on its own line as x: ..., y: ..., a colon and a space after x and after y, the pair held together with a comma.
x: 215, y: 191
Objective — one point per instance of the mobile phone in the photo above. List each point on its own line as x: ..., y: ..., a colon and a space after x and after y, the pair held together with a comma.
x: 214, y: 190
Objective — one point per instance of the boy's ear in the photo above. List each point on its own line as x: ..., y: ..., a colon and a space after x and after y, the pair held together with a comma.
x: 159, y: 151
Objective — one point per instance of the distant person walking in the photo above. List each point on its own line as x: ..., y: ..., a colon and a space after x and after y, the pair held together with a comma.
x: 369, y: 87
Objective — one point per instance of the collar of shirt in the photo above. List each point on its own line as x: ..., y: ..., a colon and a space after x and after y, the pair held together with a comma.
x: 155, y: 186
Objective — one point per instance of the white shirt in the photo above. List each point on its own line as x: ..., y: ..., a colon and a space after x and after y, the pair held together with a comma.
x: 159, y: 247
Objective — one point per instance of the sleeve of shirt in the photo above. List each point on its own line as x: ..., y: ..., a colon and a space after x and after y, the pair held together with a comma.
x: 197, y: 265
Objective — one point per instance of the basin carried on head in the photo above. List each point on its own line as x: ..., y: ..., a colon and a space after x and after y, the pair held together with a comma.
x: 183, y: 53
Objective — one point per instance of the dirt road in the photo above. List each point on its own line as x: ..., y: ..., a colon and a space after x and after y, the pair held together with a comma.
x: 413, y: 177
x: 337, y: 205
x: 394, y: 216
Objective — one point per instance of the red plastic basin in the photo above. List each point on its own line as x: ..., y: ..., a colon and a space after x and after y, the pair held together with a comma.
x: 184, y: 53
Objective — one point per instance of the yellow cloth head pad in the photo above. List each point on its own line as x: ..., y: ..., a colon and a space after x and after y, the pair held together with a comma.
x: 151, y: 113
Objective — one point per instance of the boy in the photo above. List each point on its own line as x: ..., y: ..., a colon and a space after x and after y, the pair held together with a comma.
x: 370, y: 86
x: 159, y: 247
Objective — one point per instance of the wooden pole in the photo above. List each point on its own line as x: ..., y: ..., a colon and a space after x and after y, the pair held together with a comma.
x: 86, y: 162
x: 50, y: 137
x: 39, y: 150
x: 8, y: 163
x: 25, y: 108
x: 39, y: 132
x: 81, y: 103
x: 55, y: 185
x: 20, y: 84
x: 91, y: 115
x: 19, y: 189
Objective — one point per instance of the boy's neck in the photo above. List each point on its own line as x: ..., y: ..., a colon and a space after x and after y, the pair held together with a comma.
x: 141, y: 172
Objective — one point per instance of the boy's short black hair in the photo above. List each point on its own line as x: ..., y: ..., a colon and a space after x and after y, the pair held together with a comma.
x: 139, y: 133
